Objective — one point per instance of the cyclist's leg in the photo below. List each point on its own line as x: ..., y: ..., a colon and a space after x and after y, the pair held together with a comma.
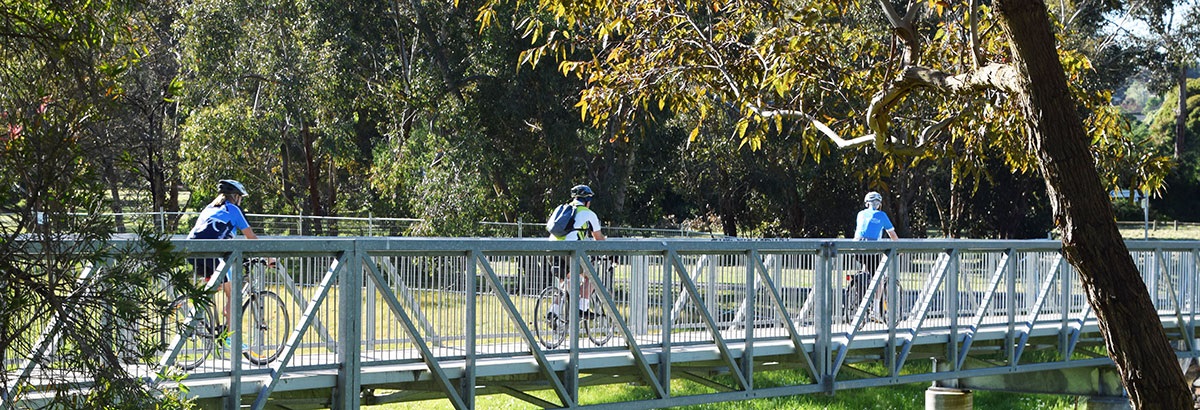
x: 205, y: 268
x: 869, y: 266
x: 585, y: 292
x: 878, y: 311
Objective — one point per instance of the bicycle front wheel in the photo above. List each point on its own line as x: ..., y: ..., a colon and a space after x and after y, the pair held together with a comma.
x: 193, y: 325
x: 549, y: 318
x: 265, y: 327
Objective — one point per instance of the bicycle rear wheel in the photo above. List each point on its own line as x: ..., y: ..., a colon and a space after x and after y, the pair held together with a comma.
x: 598, y: 323
x: 265, y: 327
x: 193, y: 325
x: 902, y: 310
x: 549, y: 319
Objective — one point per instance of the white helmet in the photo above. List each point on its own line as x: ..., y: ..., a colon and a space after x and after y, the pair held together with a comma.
x: 873, y: 197
x: 229, y: 186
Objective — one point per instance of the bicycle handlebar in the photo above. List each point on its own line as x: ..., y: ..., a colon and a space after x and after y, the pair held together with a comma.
x: 248, y: 262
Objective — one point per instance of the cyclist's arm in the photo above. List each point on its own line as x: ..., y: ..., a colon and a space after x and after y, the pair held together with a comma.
x: 599, y: 236
x: 892, y: 233
x: 249, y: 234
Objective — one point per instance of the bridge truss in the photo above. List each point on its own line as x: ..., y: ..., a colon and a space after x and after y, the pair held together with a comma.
x: 376, y: 320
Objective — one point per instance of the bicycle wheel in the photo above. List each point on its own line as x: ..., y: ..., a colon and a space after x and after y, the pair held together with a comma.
x: 598, y: 323
x: 549, y: 320
x: 853, y: 299
x: 884, y: 305
x: 192, y: 324
x: 265, y: 327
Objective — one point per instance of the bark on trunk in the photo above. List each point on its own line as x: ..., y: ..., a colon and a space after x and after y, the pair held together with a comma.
x: 1135, y: 339
x: 310, y: 176
x: 1181, y: 118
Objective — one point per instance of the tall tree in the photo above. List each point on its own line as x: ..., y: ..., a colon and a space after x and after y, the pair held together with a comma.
x: 1166, y: 31
x: 1139, y: 347
x: 73, y: 302
x: 954, y: 92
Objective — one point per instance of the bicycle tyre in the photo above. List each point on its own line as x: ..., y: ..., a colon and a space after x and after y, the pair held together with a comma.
x: 265, y: 327
x: 884, y: 305
x: 549, y: 323
x: 853, y: 298
x: 599, y: 325
x: 197, y: 339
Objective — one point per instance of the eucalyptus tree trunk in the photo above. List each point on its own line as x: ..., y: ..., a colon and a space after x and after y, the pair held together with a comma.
x: 1181, y: 118
x: 1135, y: 338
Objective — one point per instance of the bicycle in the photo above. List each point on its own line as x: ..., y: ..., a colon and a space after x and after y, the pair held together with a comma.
x: 551, y: 324
x: 265, y: 323
x: 856, y: 287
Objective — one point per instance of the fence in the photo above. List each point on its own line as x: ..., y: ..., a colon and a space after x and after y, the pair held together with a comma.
x: 179, y: 223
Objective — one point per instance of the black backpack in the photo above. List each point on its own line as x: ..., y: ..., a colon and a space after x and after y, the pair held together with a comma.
x: 561, y: 221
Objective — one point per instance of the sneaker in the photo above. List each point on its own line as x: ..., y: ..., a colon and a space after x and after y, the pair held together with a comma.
x: 586, y: 314
x: 228, y: 341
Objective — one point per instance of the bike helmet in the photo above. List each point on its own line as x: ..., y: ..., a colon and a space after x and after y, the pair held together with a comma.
x: 229, y: 186
x: 873, y: 197
x: 581, y: 191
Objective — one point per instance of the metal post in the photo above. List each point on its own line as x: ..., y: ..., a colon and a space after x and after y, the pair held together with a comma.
x: 234, y: 400
x: 822, y: 293
x: 668, y: 318
x: 639, y: 294
x: 466, y: 387
x: 349, y: 346
x: 1146, y: 217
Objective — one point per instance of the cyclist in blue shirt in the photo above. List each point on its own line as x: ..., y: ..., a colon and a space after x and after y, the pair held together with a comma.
x: 219, y: 220
x: 872, y: 222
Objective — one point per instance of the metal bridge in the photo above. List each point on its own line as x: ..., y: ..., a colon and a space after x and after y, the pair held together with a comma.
x: 377, y: 320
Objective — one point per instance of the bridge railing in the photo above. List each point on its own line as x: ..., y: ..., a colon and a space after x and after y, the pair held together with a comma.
x: 356, y: 303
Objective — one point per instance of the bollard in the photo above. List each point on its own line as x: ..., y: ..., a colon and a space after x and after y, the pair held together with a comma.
x: 946, y: 398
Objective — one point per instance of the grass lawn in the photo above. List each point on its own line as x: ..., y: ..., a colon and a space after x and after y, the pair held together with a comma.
x: 903, y: 397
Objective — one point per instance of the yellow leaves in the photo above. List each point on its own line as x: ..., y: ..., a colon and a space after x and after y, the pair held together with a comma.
x: 939, y: 6
x: 569, y: 67
x: 485, y: 17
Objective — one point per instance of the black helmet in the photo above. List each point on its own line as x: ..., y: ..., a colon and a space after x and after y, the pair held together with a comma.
x: 581, y: 191
x: 229, y: 186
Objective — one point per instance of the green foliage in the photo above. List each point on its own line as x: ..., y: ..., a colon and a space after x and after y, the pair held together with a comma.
x: 53, y: 130
x: 262, y: 77
x: 777, y: 75
x: 1179, y: 201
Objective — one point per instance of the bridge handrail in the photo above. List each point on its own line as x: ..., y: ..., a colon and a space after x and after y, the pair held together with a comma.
x: 408, y: 298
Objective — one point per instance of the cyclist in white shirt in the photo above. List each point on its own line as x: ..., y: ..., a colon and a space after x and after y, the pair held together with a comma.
x: 586, y: 224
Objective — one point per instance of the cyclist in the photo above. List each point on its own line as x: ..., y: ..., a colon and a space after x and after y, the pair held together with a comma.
x: 219, y: 220
x: 872, y: 223
x: 586, y: 224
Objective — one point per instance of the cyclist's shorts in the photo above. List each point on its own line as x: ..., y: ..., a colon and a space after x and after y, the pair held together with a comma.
x: 205, y: 267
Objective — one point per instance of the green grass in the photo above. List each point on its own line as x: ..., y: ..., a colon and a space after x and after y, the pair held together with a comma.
x: 1162, y: 230
x: 909, y: 396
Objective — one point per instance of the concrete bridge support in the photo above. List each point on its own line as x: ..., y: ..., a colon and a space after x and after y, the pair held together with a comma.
x: 948, y: 398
